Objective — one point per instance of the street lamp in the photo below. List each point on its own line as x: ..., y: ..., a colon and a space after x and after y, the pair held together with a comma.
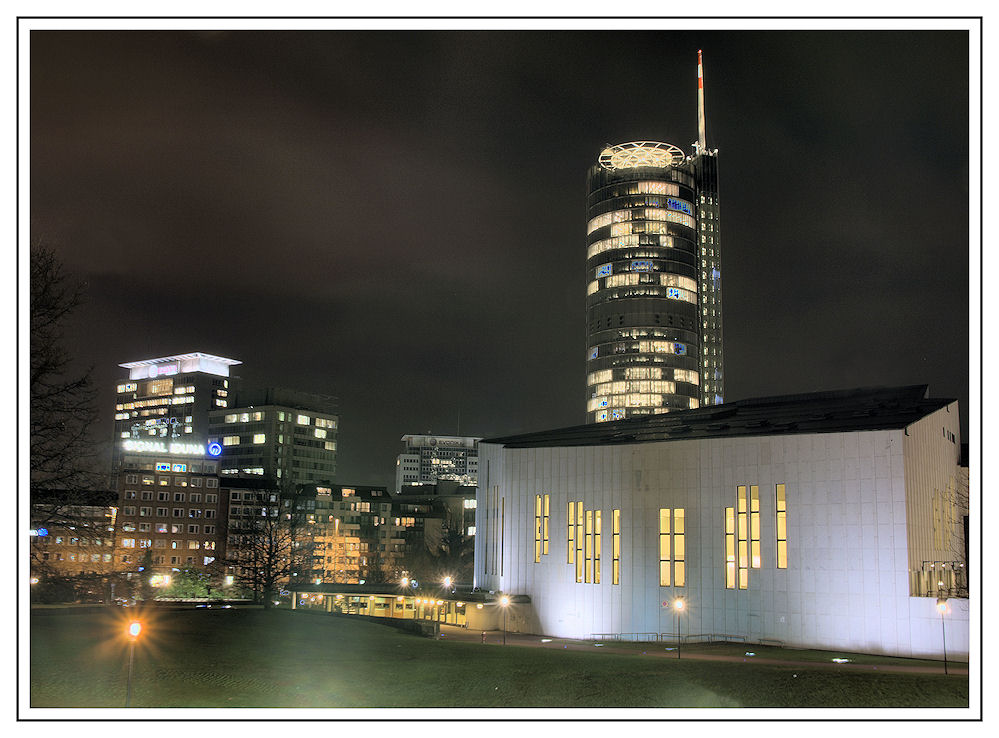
x: 942, y: 608
x: 677, y: 607
x: 505, y: 602
x: 134, y: 629
x: 447, y: 582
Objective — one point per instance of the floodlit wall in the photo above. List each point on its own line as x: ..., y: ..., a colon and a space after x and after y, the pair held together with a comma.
x: 846, y: 581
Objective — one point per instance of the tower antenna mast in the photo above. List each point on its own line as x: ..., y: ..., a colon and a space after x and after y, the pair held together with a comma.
x: 701, y: 146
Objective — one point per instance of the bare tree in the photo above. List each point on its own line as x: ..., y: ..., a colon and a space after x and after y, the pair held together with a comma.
x: 63, y: 408
x: 266, y: 555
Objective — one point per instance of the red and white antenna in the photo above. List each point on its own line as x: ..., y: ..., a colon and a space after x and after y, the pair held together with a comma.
x: 701, y: 146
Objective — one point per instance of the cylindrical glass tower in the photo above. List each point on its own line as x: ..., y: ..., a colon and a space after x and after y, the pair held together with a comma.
x: 642, y: 321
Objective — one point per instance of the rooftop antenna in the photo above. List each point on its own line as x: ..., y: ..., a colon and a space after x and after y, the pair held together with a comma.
x: 700, y: 105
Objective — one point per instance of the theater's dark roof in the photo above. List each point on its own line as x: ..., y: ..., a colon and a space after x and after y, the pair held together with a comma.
x: 867, y: 408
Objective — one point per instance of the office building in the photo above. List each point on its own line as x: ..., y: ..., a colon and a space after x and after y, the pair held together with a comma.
x: 428, y: 459
x: 653, y: 266
x: 285, y: 435
x: 321, y: 534
x: 168, y: 399
x: 828, y: 520
x: 168, y: 511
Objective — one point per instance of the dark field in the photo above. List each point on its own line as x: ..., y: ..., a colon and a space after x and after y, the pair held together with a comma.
x: 257, y: 658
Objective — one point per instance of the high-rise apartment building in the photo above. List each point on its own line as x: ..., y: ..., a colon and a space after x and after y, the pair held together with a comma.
x: 285, y: 435
x: 653, y: 297
x: 428, y: 459
x: 167, y: 400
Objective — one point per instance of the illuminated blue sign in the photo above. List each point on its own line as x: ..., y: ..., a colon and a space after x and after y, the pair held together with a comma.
x: 674, y: 204
x: 42, y: 532
x: 673, y: 292
x: 679, y: 348
x: 644, y: 265
x: 593, y: 353
x: 214, y: 448
x: 604, y: 270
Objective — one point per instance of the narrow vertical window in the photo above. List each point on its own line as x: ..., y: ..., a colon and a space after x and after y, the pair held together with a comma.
x: 596, y: 547
x: 571, y: 534
x: 781, y: 528
x: 730, y: 548
x: 664, y: 547
x: 743, y: 540
x: 579, y: 540
x: 616, y: 547
x: 679, y: 549
x: 754, y: 526
x: 502, y: 533
x: 588, y: 574
x: 537, y: 528
x: 544, y: 531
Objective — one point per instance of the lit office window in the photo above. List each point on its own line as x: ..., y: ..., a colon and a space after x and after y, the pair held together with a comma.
x: 230, y: 440
x: 580, y: 539
x: 303, y: 420
x: 259, y: 437
x: 730, y: 548
x: 616, y: 547
x: 781, y: 528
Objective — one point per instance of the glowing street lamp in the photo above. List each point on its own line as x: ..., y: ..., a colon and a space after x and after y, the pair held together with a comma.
x: 447, y: 582
x: 134, y: 629
x: 505, y: 602
x: 942, y: 609
x: 677, y: 608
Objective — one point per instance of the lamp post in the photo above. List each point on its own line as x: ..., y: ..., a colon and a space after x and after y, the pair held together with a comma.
x: 134, y: 629
x: 505, y: 602
x: 677, y: 607
x: 942, y: 608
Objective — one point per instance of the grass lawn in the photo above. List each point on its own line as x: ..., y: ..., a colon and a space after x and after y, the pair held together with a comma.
x: 256, y: 658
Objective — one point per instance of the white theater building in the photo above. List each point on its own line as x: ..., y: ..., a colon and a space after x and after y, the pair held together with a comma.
x: 831, y: 520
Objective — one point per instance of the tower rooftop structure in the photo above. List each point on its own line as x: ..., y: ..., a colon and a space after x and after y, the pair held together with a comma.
x: 196, y: 361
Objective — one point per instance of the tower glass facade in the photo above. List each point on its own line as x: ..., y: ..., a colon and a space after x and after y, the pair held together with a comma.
x: 653, y: 270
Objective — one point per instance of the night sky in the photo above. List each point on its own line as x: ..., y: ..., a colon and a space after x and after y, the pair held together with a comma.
x: 398, y: 218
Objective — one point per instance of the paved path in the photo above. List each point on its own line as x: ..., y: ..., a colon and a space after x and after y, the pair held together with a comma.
x: 453, y: 633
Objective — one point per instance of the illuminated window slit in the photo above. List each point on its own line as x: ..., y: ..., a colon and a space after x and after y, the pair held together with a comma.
x: 781, y: 527
x: 743, y: 540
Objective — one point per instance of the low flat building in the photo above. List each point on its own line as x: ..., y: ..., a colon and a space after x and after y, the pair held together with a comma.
x: 72, y: 539
x: 830, y: 520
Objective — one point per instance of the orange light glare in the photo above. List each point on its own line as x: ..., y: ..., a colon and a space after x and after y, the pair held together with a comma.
x: 134, y: 629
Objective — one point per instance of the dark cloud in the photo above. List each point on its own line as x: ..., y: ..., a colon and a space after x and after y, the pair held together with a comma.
x: 397, y: 217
